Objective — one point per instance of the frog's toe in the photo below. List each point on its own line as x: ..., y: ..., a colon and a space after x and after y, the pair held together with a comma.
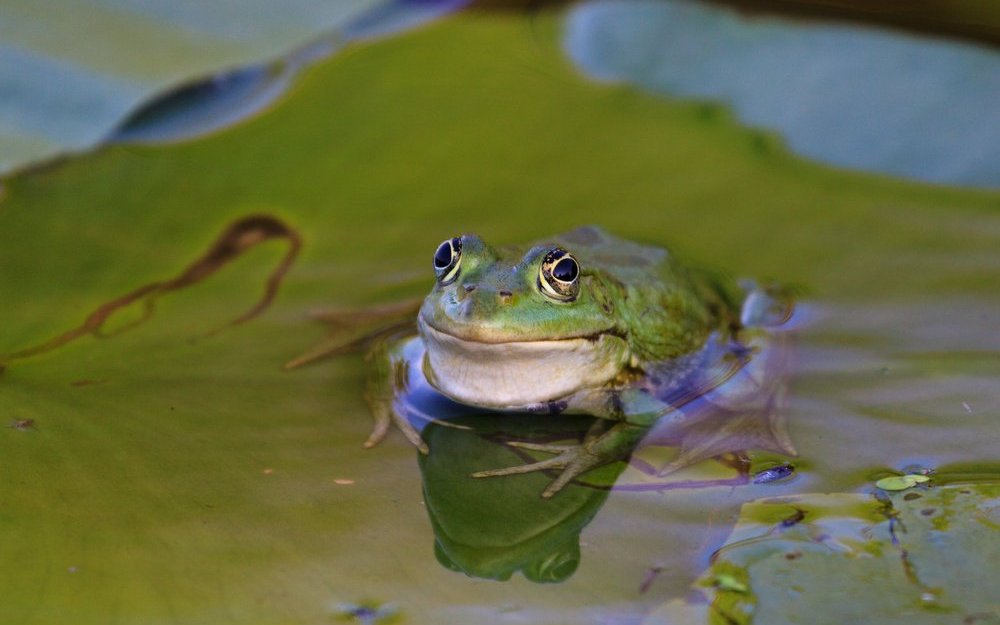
x: 552, y: 463
x: 385, y: 417
x: 328, y: 347
x: 380, y: 414
x: 581, y: 462
x: 409, y: 432
x: 378, y: 433
x: 552, y: 449
x: 568, y: 475
x: 572, y: 460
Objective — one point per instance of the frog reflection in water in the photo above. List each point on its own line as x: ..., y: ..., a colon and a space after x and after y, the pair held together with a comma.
x: 583, y: 323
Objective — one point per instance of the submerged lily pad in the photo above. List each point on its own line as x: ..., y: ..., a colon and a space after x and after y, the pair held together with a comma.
x: 908, y: 559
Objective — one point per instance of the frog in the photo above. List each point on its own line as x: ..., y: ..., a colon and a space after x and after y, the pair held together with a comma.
x: 583, y: 322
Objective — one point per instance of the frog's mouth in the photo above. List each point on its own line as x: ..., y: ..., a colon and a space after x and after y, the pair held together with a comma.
x: 516, y: 374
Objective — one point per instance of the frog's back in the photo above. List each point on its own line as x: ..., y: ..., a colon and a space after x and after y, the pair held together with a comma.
x: 666, y: 309
x: 627, y: 261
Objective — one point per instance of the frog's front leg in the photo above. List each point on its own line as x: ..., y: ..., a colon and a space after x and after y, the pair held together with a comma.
x: 626, y: 416
x: 388, y: 371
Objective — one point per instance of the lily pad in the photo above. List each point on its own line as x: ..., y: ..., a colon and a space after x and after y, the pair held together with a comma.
x: 907, y: 558
x: 852, y: 96
x: 177, y: 473
x: 166, y: 70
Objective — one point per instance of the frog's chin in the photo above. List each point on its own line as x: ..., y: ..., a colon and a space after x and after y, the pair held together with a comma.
x: 519, y: 374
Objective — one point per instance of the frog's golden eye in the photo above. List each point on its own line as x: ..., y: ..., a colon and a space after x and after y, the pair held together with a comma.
x: 559, y: 275
x: 447, y: 260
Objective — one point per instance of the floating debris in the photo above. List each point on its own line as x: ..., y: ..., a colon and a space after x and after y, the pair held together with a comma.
x: 368, y: 613
x: 794, y: 519
x: 22, y: 424
x: 651, y: 575
x: 773, y: 474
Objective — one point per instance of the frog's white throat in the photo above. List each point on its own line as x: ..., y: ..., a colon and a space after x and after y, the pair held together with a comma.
x: 518, y: 373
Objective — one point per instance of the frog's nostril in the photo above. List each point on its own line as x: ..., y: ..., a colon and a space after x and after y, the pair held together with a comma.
x: 469, y: 288
x: 505, y: 296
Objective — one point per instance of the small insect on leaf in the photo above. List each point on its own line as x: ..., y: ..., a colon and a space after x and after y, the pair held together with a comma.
x: 901, y: 482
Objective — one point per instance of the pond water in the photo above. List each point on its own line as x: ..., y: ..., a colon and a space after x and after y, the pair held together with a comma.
x: 157, y: 472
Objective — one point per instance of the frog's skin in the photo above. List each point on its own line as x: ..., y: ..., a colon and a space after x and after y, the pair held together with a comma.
x: 583, y: 322
x: 498, y: 337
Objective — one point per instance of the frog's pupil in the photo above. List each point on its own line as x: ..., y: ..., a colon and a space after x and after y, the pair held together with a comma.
x: 565, y: 270
x: 442, y: 257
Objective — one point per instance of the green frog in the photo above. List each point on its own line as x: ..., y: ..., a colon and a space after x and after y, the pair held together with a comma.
x: 580, y: 323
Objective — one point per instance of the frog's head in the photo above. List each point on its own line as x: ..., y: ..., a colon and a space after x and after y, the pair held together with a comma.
x: 509, y: 328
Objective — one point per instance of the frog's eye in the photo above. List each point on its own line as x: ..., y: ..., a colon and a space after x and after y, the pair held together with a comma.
x: 559, y: 275
x: 447, y: 260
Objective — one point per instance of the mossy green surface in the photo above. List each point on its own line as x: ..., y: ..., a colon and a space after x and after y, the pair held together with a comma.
x: 171, y: 477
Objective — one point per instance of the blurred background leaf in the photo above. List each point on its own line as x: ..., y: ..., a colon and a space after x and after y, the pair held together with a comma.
x: 72, y: 72
x: 860, y: 97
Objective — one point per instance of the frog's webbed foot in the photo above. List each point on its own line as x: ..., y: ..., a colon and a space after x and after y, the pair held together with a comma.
x: 571, y: 460
x: 601, y: 446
